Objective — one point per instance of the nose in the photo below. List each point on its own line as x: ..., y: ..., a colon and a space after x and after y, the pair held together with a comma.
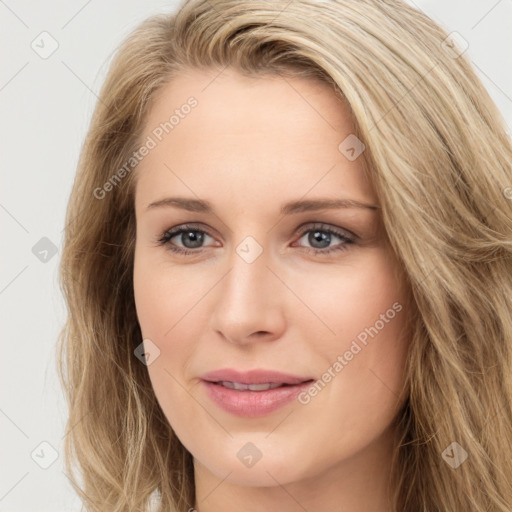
x: 249, y: 303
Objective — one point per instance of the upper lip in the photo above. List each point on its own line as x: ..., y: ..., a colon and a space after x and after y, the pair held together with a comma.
x: 258, y: 376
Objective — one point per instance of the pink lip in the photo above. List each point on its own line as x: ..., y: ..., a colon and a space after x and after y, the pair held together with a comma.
x: 253, y: 403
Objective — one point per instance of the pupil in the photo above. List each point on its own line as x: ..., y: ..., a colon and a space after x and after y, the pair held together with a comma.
x: 319, y: 236
x: 196, y: 238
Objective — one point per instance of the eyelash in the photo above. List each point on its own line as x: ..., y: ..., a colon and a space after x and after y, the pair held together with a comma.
x: 165, y: 238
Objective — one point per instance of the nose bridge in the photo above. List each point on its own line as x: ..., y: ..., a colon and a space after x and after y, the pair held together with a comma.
x: 248, y: 260
x: 247, y: 302
x: 248, y: 281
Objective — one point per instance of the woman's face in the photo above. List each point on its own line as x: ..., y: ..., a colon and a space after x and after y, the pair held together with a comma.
x: 272, y: 289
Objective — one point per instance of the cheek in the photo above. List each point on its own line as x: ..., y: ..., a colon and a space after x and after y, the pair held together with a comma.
x: 365, y: 349
x: 164, y: 295
x: 169, y: 314
x: 348, y: 301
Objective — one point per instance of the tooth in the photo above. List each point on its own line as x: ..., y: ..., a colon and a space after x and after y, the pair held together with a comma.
x: 240, y: 387
x: 227, y: 384
x: 259, y: 387
x: 251, y: 387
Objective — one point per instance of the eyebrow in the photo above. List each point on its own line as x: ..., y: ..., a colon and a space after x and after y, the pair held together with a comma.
x: 201, y: 206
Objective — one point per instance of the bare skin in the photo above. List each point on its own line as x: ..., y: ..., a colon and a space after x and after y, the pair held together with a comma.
x: 249, y: 146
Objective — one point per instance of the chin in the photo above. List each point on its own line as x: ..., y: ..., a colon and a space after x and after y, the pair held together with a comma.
x: 272, y: 463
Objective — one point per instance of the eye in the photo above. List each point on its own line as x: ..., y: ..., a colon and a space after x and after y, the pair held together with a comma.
x: 319, y: 236
x: 190, y: 236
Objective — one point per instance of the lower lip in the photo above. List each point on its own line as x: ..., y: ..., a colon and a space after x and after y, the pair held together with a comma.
x: 253, y: 403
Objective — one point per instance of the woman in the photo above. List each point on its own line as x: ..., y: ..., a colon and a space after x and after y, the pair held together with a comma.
x: 288, y: 265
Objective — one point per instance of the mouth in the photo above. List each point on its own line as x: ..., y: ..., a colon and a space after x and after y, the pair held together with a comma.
x: 253, y: 393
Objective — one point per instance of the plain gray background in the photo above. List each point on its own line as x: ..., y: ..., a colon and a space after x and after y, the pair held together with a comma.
x: 46, y: 105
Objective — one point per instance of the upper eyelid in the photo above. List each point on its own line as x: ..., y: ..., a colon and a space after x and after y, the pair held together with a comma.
x: 323, y: 226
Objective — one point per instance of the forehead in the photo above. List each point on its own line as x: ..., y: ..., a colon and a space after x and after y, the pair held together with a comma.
x: 268, y: 131
x: 229, y: 100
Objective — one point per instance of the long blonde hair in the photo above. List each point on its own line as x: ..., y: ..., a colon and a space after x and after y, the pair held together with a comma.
x: 440, y: 160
